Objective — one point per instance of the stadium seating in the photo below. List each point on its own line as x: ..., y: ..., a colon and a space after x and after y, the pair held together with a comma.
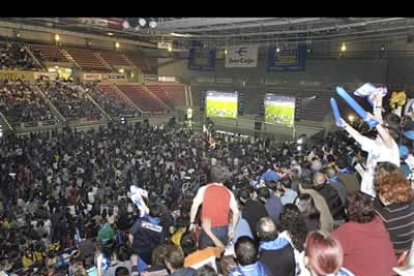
x: 70, y: 101
x: 170, y: 94
x: 48, y: 53
x: 15, y: 56
x: 21, y: 104
x: 111, y: 101
x: 315, y: 109
x: 142, y: 98
x: 139, y: 62
x: 87, y: 60
x: 114, y: 58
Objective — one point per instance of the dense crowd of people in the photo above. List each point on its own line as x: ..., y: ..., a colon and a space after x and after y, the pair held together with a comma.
x: 140, y: 199
x: 113, y: 106
x: 70, y: 99
x: 144, y: 200
x: 14, y: 56
x: 20, y: 102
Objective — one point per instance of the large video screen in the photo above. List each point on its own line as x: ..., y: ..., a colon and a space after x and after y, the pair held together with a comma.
x: 221, y: 104
x: 279, y: 110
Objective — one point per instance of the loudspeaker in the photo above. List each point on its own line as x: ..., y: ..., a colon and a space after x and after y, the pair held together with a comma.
x: 258, y: 125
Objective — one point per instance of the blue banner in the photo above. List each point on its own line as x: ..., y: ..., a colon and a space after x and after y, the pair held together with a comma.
x: 203, y: 60
x: 287, y: 60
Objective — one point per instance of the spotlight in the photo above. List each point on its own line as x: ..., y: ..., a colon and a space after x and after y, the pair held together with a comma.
x: 117, y: 45
x: 57, y: 37
x: 142, y: 22
x: 278, y: 49
x: 343, y: 47
x: 153, y: 24
x: 126, y: 25
x: 110, y: 34
x: 225, y: 51
x: 123, y: 120
x: 121, y: 71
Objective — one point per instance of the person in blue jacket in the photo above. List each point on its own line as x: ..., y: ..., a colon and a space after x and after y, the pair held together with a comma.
x: 247, y: 251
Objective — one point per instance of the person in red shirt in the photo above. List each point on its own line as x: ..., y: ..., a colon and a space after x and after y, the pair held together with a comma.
x: 217, y: 201
x: 368, y: 250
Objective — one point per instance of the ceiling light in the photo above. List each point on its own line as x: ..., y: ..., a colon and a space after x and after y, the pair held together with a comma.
x: 142, y: 22
x: 382, y: 48
x: 308, y: 50
x: 343, y: 47
x: 225, y: 51
x: 110, y: 34
x: 278, y: 49
x: 126, y: 24
x: 169, y: 48
x: 57, y: 37
x: 153, y: 24
x: 117, y: 44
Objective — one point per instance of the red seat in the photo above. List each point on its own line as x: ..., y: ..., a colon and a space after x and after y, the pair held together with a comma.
x: 142, y: 98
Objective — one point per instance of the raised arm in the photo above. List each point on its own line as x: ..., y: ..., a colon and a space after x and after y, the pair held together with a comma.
x: 361, y: 139
x: 377, y: 108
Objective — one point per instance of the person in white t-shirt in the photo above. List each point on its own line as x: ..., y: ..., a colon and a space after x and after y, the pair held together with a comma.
x: 382, y: 148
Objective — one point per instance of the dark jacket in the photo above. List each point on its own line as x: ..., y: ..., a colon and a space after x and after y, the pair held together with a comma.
x: 278, y: 256
x: 332, y: 199
x: 253, y: 211
x: 273, y: 207
x: 148, y: 234
x: 350, y: 180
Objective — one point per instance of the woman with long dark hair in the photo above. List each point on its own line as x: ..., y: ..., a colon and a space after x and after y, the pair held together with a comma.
x: 293, y: 227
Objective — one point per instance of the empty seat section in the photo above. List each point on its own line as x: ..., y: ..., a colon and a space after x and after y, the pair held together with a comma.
x: 139, y: 62
x: 86, y: 59
x: 48, y: 53
x: 114, y: 58
x: 142, y: 98
x: 107, y: 88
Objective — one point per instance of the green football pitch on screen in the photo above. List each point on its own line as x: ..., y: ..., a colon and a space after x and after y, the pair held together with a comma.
x: 279, y: 110
x: 221, y: 104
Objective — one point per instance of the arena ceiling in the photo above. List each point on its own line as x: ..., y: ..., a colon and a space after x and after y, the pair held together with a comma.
x: 219, y: 32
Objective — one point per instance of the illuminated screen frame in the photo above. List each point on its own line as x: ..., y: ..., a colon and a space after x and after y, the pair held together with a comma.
x: 272, y: 98
x: 209, y: 105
